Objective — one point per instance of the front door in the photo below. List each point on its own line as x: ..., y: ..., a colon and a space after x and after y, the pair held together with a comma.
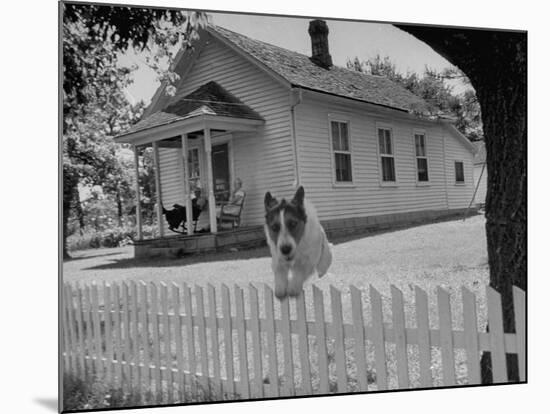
x: 220, y: 172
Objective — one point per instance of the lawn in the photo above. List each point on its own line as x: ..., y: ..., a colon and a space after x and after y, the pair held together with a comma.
x: 447, y: 254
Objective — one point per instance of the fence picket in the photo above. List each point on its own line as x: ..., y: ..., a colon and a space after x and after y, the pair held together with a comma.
x: 145, y: 336
x: 97, y: 331
x: 67, y: 368
x: 188, y: 304
x: 228, y: 340
x: 446, y: 337
x: 213, y: 323
x: 90, y: 343
x: 72, y: 333
x: 136, y: 335
x: 108, y: 332
x: 399, y: 333
x: 496, y: 333
x: 125, y: 319
x: 271, y: 341
x: 378, y: 339
x: 303, y: 342
x: 117, y: 334
x: 167, y: 340
x: 423, y: 329
x: 156, y: 342
x: 359, y: 338
x: 256, y: 341
x: 339, y: 343
x: 289, y: 386
x: 199, y: 296
x: 470, y: 330
x: 241, y: 334
x: 519, y: 314
x: 179, y: 342
x: 320, y: 331
x: 80, y: 328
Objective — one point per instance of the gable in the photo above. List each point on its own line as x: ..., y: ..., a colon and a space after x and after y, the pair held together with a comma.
x: 212, y: 60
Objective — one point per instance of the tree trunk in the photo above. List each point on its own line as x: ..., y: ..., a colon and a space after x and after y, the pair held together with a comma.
x: 69, y: 185
x: 119, y: 207
x: 496, y: 63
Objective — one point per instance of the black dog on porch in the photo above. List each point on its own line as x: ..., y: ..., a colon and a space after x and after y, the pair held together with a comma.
x: 178, y: 215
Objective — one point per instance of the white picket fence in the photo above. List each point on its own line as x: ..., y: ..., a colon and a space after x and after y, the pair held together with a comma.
x: 169, y: 341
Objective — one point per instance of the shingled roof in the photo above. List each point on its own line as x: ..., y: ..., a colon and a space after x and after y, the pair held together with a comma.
x: 300, y: 71
x: 208, y: 99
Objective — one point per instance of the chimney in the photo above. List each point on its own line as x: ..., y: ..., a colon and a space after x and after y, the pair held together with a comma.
x: 318, y: 30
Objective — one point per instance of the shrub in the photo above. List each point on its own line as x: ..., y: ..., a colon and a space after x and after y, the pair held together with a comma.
x: 113, y: 237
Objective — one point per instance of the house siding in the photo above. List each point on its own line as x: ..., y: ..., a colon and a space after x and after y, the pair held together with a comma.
x: 264, y: 160
x: 366, y: 196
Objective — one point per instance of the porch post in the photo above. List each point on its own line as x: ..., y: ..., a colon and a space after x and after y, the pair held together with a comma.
x: 157, y: 185
x: 184, y: 176
x: 210, y: 175
x: 138, y: 197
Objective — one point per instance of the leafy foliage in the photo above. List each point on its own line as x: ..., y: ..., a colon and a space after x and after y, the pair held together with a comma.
x: 432, y: 88
x: 95, y: 107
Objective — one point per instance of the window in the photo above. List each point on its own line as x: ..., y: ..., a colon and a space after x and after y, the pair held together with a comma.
x: 421, y: 157
x: 459, y: 171
x: 194, y: 169
x: 385, y: 148
x: 339, y: 132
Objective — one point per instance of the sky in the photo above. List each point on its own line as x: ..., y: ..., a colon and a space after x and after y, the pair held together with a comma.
x: 346, y: 40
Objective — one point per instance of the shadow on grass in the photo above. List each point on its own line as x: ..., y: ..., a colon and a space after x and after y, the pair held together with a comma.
x: 191, y: 259
x: 74, y: 259
x: 391, y: 228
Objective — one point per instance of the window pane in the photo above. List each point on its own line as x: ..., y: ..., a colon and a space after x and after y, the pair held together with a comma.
x: 459, y: 172
x: 335, y: 131
x: 388, y: 169
x: 344, y: 137
x: 420, y: 145
x: 389, y: 149
x: 343, y: 167
x: 381, y: 141
x: 422, y: 166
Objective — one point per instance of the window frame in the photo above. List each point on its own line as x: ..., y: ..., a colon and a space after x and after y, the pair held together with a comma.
x: 345, y: 120
x: 425, y: 156
x: 386, y: 126
x: 463, y: 182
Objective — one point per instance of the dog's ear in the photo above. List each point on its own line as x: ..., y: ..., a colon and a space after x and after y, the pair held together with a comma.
x: 269, y: 201
x: 299, y: 197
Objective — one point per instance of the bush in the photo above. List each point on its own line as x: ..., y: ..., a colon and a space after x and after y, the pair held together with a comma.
x: 114, y: 237
x: 83, y: 395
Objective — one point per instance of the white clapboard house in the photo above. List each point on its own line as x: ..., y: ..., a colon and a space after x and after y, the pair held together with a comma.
x: 359, y: 144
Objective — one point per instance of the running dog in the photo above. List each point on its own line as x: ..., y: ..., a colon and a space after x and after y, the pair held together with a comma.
x: 297, y: 242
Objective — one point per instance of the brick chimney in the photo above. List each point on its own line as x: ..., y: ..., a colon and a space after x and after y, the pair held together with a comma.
x: 318, y: 30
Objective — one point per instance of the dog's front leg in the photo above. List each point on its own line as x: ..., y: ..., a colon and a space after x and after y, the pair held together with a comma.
x: 300, y: 272
x: 281, y: 279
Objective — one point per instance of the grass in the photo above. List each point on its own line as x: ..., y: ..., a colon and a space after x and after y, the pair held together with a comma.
x: 448, y: 254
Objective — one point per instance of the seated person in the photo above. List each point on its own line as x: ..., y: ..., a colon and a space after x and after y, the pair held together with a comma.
x: 233, y: 206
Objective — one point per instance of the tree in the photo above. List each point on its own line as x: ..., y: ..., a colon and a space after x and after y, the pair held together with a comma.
x: 496, y: 64
x: 93, y: 35
x: 431, y: 86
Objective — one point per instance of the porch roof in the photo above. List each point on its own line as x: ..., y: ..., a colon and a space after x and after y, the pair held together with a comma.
x: 210, y: 103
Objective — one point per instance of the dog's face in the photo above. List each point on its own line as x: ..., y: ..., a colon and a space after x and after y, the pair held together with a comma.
x: 285, y: 222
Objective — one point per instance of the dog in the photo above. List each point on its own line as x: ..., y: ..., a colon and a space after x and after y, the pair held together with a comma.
x: 298, y: 244
x: 178, y: 215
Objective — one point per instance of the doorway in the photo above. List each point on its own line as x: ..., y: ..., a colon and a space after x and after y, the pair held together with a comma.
x: 220, y: 172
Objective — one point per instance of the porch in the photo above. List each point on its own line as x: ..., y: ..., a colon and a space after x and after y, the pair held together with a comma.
x: 180, y: 245
x: 191, y: 141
